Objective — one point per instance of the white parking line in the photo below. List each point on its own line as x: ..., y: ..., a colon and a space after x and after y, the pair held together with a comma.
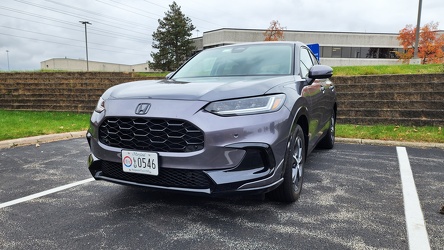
x: 416, y: 229
x: 50, y: 191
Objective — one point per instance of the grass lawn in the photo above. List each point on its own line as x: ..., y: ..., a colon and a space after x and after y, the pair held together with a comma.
x: 18, y: 124
x: 391, y: 133
x: 388, y: 69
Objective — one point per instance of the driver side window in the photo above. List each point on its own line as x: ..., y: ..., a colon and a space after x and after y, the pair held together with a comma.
x: 306, y: 62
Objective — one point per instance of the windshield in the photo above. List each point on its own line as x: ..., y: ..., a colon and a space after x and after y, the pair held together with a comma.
x: 242, y: 60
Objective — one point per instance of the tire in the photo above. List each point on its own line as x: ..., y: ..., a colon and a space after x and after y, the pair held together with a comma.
x: 290, y: 189
x: 328, y: 142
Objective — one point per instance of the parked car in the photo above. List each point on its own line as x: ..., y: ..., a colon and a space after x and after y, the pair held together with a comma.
x: 234, y: 119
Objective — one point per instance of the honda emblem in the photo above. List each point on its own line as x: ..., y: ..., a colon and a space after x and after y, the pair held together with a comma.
x: 142, y: 108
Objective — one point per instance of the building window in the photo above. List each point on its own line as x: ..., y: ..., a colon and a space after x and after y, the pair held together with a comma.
x: 346, y: 52
x: 326, y: 52
x: 355, y: 52
x: 358, y: 52
x: 336, y: 52
x: 371, y: 53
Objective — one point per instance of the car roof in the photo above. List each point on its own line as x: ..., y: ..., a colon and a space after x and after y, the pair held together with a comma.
x: 263, y: 42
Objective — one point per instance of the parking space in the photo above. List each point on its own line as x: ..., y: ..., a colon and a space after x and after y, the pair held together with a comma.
x: 352, y: 199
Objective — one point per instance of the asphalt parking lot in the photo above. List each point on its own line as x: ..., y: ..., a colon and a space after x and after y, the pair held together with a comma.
x: 352, y: 199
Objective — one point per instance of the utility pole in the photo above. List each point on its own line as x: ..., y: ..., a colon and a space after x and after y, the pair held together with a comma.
x: 86, y: 43
x: 418, y: 27
x: 7, y: 56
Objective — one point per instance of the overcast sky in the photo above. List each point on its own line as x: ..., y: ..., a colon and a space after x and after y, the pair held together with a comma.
x: 120, y: 31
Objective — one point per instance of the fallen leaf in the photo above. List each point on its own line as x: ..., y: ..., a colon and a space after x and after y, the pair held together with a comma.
x: 442, y: 210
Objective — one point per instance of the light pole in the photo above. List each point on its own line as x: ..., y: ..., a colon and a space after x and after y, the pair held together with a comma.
x: 7, y: 56
x: 418, y: 27
x: 86, y: 43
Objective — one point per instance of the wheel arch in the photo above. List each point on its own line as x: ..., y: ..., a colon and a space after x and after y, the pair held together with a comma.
x: 301, y: 119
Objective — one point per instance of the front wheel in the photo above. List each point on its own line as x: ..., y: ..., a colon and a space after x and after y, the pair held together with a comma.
x: 290, y: 189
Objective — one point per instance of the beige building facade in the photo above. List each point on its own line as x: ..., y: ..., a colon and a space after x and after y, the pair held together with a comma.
x: 67, y: 64
x: 336, y: 48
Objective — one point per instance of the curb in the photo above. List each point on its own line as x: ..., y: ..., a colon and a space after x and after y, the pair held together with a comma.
x: 36, y: 140
x: 391, y: 143
x: 40, y: 139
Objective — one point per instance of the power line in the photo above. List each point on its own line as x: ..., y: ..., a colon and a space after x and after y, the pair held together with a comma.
x: 95, y: 13
x: 77, y: 40
x: 76, y: 15
x: 128, y: 10
x: 72, y: 45
x: 70, y: 23
x: 101, y: 32
x: 193, y: 17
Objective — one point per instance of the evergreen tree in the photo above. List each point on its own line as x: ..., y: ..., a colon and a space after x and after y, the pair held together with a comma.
x: 172, y: 40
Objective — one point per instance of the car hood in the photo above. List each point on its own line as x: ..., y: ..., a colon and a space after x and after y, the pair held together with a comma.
x: 203, y: 89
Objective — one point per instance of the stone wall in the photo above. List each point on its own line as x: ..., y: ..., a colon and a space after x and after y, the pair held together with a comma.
x: 391, y: 99
x: 65, y: 91
x: 386, y: 99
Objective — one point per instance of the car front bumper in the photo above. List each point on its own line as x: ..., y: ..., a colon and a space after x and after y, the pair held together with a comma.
x: 241, y: 154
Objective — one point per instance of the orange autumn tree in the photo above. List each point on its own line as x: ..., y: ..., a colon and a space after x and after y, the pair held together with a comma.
x: 431, y: 45
x: 275, y: 32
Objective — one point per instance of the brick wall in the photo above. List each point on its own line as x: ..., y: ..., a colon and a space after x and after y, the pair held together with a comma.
x: 388, y: 99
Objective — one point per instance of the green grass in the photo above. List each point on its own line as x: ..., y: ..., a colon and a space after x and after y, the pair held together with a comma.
x: 18, y: 124
x: 151, y: 74
x: 388, y: 69
x: 337, y: 71
x: 391, y: 133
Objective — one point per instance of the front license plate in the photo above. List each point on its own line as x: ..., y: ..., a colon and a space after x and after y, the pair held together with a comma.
x: 140, y: 162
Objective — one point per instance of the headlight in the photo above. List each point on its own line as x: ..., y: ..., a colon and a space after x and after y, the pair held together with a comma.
x: 100, y: 105
x: 247, y: 106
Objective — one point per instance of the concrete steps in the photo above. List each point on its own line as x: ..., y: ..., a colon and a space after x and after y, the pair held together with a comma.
x: 65, y: 91
x: 402, y: 100
x: 394, y: 99
x: 390, y: 104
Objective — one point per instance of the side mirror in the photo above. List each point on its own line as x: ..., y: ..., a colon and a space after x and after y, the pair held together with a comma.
x: 320, y: 72
x: 169, y: 75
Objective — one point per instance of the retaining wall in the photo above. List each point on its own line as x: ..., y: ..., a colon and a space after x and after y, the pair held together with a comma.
x: 386, y: 99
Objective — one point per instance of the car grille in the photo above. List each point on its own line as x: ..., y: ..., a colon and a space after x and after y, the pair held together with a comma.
x: 159, y: 135
x: 167, y: 177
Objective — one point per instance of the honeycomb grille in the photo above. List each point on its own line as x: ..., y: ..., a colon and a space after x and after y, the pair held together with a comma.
x: 167, y: 177
x: 159, y: 135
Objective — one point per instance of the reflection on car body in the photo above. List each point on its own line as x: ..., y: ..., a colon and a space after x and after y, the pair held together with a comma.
x: 233, y: 119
